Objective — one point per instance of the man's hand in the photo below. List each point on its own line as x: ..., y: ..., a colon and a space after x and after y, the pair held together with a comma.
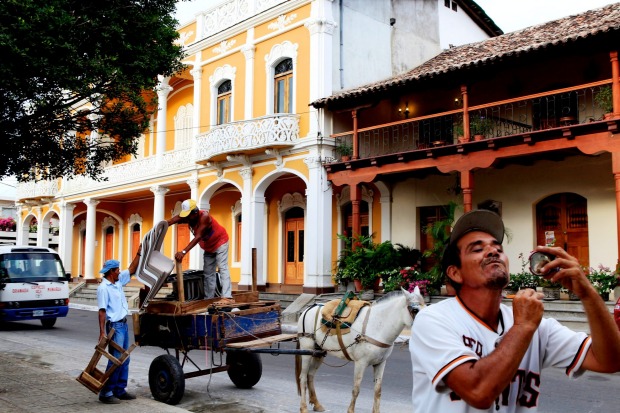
x: 570, y: 274
x: 528, y: 309
x: 179, y: 256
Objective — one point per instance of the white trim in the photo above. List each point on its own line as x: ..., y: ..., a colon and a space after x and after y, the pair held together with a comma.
x: 222, y: 73
x: 279, y: 52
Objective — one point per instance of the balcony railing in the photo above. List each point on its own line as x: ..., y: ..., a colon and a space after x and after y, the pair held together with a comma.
x: 274, y: 131
x: 36, y: 190
x: 132, y: 171
x: 232, y: 12
x: 555, y: 109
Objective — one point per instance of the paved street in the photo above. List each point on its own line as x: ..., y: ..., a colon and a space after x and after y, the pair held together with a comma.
x: 67, y: 349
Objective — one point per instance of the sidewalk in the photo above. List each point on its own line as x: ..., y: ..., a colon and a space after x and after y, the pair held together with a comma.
x: 27, y: 386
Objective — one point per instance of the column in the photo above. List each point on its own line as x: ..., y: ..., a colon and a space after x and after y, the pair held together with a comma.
x: 615, y: 82
x: 21, y: 237
x: 258, y: 219
x: 386, y: 217
x: 356, y: 196
x: 65, y: 247
x: 163, y: 89
x: 159, y: 203
x: 89, y: 253
x: 318, y: 229
x: 195, y: 254
x: 321, y: 26
x: 41, y: 238
x: 467, y: 186
x: 247, y: 240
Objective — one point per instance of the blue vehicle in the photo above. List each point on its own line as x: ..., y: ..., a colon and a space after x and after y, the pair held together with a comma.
x: 33, y: 285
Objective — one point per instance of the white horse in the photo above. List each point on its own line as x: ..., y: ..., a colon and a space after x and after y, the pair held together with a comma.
x: 369, y: 342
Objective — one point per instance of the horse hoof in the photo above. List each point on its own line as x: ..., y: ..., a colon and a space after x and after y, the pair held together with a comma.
x: 318, y: 408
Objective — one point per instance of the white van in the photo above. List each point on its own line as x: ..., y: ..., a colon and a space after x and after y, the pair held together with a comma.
x: 33, y: 285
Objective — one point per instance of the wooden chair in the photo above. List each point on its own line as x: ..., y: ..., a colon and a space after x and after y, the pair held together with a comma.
x: 93, y: 378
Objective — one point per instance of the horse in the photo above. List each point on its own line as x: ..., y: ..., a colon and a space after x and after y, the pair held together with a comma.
x: 369, y: 342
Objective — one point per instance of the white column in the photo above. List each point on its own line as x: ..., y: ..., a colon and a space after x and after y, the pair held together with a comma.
x: 89, y: 254
x: 386, y: 217
x: 321, y: 26
x: 40, y: 228
x: 163, y: 89
x: 248, y: 51
x: 65, y: 247
x: 21, y: 232
x: 257, y: 219
x: 195, y: 254
x: 318, y: 251
x: 247, y: 240
x: 159, y: 203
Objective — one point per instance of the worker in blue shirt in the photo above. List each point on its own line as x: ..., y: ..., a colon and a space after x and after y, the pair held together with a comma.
x: 113, y: 311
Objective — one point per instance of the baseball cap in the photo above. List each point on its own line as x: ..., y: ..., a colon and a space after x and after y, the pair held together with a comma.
x: 478, y: 220
x: 187, y: 207
x: 110, y: 265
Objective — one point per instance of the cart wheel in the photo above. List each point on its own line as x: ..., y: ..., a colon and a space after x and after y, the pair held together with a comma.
x: 48, y: 322
x: 244, y: 369
x: 166, y: 379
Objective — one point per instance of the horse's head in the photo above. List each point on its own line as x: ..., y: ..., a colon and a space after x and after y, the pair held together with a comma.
x: 415, y: 301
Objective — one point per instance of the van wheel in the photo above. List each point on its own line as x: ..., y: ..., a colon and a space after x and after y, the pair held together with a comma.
x: 48, y: 322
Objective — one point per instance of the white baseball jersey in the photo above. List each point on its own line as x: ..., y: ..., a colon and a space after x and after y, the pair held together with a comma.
x: 446, y: 335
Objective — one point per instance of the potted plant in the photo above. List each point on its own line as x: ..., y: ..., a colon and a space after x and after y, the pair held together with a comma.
x: 364, y: 262
x: 459, y: 132
x: 480, y: 126
x: 603, y: 279
x: 604, y: 99
x: 345, y: 150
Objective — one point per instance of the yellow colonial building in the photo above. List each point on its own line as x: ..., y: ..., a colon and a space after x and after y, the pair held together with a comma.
x: 236, y: 131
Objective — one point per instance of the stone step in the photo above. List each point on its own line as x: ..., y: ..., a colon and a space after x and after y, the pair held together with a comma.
x: 87, y: 294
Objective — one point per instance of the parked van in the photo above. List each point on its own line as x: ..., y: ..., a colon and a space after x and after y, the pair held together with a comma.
x: 33, y: 285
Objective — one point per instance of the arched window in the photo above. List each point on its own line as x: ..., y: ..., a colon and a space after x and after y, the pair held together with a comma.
x: 283, y: 87
x: 183, y: 126
x: 223, y: 102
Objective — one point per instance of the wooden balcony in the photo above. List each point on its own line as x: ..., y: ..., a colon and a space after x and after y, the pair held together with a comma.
x: 247, y: 137
x: 560, y: 114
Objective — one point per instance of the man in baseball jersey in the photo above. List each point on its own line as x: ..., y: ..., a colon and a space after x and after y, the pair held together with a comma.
x: 472, y: 353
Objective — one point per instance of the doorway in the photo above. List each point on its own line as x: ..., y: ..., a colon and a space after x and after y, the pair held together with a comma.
x: 294, y: 246
x: 562, y: 220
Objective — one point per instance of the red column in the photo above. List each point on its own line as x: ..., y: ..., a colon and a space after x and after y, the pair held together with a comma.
x: 615, y: 82
x: 355, y: 143
x: 467, y: 186
x: 466, y: 133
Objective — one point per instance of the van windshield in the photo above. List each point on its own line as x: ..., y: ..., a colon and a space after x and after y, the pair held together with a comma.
x: 31, y: 266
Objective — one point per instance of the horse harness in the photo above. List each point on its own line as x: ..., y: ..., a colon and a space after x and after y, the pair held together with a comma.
x: 337, y: 324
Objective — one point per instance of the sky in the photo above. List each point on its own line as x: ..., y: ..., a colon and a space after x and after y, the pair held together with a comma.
x: 509, y: 15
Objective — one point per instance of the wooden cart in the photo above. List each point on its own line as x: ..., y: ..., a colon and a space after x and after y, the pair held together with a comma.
x: 240, y: 331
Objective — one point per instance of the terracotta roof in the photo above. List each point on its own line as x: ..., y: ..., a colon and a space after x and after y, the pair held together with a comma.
x: 557, y: 32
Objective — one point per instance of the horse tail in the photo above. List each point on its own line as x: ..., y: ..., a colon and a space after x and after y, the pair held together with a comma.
x: 298, y: 370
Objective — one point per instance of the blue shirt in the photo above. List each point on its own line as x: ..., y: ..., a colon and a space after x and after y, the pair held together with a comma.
x: 111, y: 297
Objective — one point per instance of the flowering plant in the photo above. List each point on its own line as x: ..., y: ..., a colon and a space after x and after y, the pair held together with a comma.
x: 7, y: 224
x: 423, y: 285
x: 523, y: 279
x: 603, y: 278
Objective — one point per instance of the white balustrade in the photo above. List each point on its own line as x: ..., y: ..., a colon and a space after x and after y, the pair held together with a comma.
x: 278, y: 130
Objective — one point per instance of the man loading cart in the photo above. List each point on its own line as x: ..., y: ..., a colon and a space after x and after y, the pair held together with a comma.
x: 213, y: 239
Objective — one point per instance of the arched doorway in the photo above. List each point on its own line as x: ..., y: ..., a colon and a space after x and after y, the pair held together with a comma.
x: 294, y: 246
x: 562, y: 220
